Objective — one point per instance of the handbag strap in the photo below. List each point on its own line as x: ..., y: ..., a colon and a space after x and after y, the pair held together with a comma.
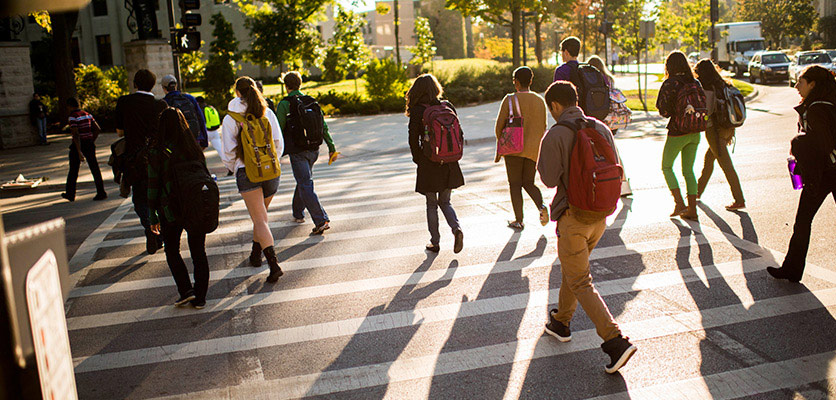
x: 513, y: 103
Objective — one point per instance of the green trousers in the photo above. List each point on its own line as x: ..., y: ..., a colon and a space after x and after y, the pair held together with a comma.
x: 687, y: 145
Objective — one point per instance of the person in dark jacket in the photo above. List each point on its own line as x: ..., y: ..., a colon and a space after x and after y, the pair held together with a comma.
x: 815, y: 153
x: 176, y: 143
x: 434, y: 180
x: 678, y: 74
x: 37, y: 115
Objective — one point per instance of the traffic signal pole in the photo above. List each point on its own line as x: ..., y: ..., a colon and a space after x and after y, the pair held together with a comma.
x: 173, y: 41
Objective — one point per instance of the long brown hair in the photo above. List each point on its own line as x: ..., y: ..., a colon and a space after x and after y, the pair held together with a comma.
x: 256, y: 105
x: 677, y: 64
x: 598, y: 63
x: 708, y: 74
x: 825, y: 88
x: 424, y: 90
x: 174, y: 134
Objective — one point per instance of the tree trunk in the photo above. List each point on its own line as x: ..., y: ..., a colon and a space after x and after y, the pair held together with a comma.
x: 538, y: 42
x: 63, y: 25
x: 396, y: 21
x: 468, y: 28
x: 515, y: 36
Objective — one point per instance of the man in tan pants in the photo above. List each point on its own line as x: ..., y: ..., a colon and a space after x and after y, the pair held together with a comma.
x: 578, y: 231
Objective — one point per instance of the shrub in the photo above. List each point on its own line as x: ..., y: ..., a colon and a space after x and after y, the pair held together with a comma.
x: 332, y: 70
x: 119, y: 75
x: 384, y: 78
x: 97, y: 93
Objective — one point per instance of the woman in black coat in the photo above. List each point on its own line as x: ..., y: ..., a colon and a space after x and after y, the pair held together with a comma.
x: 435, y: 180
x: 815, y: 153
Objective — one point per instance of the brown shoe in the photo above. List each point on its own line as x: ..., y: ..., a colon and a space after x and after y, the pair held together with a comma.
x: 679, y: 204
x: 690, y: 212
x: 736, y: 206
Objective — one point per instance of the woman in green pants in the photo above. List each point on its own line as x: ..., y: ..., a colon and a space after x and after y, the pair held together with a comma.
x: 678, y: 77
x: 717, y: 137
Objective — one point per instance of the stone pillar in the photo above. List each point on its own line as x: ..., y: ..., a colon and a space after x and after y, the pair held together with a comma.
x: 153, y: 55
x: 16, y: 88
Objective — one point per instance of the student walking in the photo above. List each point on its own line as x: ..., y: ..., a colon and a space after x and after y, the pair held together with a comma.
x: 815, y: 153
x: 303, y: 137
x: 682, y: 99
x: 435, y: 180
x: 188, y: 105
x: 718, y: 137
x: 578, y: 230
x: 526, y: 110
x: 569, y: 50
x: 619, y: 115
x: 252, y: 143
x: 213, y: 125
x: 137, y: 119
x: 175, y: 144
x: 85, y: 130
x: 37, y: 116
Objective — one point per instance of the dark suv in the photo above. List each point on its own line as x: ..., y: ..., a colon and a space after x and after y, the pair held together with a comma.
x: 768, y: 65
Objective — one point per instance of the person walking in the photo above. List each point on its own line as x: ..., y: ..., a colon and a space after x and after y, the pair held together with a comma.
x: 815, y: 152
x: 304, y: 155
x: 249, y: 105
x: 521, y: 167
x: 433, y: 180
x: 679, y: 79
x: 137, y: 119
x: 37, y: 116
x: 569, y: 50
x: 578, y: 231
x: 188, y: 105
x: 213, y: 126
x: 718, y: 137
x: 85, y: 130
x: 174, y: 144
x: 616, y: 108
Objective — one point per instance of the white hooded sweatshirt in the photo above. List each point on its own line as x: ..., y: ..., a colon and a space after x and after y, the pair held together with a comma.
x: 230, y: 129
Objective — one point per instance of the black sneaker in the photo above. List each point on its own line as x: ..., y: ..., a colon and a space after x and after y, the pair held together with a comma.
x: 321, y: 228
x: 459, y: 243
x: 783, y: 273
x: 557, y: 329
x: 67, y: 197
x: 151, y: 242
x: 100, y: 196
x: 198, y: 304
x: 620, y: 350
x: 433, y: 247
x: 184, y: 299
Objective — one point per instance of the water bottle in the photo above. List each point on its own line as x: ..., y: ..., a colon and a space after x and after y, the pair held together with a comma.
x: 214, y: 177
x: 797, y: 183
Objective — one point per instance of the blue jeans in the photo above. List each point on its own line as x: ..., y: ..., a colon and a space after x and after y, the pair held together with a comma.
x: 304, y: 195
x: 139, y: 196
x: 436, y: 200
x: 40, y: 123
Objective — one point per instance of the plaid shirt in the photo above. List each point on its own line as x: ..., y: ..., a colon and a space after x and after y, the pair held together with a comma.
x: 83, y: 122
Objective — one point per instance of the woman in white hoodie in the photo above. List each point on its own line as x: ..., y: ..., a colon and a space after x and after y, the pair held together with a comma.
x: 257, y: 195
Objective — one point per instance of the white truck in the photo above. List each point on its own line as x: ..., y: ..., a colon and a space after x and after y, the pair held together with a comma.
x: 737, y: 42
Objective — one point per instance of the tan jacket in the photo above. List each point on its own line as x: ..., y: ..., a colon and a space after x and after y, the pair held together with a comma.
x: 533, y: 110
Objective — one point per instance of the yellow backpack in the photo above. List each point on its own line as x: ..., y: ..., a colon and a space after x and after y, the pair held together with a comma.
x: 260, y: 159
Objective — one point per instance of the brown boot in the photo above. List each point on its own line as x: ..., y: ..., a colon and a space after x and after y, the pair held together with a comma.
x: 690, y: 212
x: 679, y: 204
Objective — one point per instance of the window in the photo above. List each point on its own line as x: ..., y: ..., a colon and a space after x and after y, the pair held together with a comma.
x: 104, y: 50
x: 99, y: 8
x: 775, y: 59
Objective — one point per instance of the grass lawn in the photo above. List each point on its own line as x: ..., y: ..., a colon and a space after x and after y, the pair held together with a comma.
x: 635, y: 104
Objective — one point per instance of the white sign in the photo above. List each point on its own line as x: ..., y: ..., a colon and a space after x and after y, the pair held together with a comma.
x: 49, y: 330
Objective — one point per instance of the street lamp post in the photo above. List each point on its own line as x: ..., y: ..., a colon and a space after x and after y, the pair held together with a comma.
x: 523, y: 15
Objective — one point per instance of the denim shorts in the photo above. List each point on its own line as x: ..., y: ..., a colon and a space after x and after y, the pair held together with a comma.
x: 245, y: 185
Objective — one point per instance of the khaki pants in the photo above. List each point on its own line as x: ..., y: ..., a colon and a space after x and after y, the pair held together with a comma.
x: 576, y: 241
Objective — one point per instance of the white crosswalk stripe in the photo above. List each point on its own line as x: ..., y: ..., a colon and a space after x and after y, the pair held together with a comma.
x: 118, y: 325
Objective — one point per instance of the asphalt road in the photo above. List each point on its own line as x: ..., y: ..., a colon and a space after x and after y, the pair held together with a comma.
x: 364, y: 312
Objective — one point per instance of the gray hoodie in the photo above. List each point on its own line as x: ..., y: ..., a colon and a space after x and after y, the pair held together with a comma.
x: 555, y: 150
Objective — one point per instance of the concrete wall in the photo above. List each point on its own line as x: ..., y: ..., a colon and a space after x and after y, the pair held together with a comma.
x: 16, y: 88
x: 154, y: 55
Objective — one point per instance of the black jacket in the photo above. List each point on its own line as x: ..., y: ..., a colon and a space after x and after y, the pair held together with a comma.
x: 432, y: 176
x: 815, y: 147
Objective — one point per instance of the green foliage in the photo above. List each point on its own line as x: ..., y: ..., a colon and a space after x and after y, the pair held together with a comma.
x: 281, y: 32
x: 827, y: 28
x: 424, y: 50
x: 348, y: 52
x: 219, y: 71
x: 332, y: 67
x: 448, y: 27
x: 384, y: 78
x: 494, y: 48
x: 191, y: 67
x: 779, y: 18
x: 119, y: 75
x: 685, y: 21
x: 97, y: 93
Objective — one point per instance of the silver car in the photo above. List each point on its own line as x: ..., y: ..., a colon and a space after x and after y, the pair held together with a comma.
x: 805, y: 59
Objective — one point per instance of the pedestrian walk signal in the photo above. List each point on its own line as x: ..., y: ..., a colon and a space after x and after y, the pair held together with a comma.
x: 187, y: 41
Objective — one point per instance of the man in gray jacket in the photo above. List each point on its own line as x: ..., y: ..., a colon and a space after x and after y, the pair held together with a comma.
x: 578, y: 231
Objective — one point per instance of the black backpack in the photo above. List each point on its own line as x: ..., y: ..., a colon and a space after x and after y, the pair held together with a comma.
x: 195, y: 196
x: 184, y: 104
x: 305, y: 123
x: 593, y: 92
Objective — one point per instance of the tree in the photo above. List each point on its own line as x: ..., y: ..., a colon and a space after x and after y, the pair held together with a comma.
x: 281, y: 32
x: 686, y: 21
x: 61, y: 25
x: 779, y: 18
x: 449, y: 28
x: 348, y: 47
x: 192, y: 65
x: 425, y: 46
x: 496, y: 11
x: 219, y: 74
x: 627, y: 32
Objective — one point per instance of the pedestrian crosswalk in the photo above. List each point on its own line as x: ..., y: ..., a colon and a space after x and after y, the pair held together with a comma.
x: 365, y: 312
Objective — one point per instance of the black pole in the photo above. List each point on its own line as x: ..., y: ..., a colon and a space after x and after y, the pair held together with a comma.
x: 522, y: 19
x: 173, y: 38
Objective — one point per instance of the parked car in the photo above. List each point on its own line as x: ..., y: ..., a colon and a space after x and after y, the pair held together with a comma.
x: 831, y: 53
x: 805, y: 59
x: 768, y: 65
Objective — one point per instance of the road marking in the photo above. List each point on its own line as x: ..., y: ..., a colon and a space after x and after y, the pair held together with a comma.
x: 426, y: 367
x: 86, y: 251
x: 539, y: 299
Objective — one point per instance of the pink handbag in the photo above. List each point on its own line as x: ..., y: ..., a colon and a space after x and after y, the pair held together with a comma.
x: 511, y: 139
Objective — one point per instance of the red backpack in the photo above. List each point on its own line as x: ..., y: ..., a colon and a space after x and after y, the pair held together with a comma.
x: 594, y: 172
x: 691, y: 93
x: 443, y: 139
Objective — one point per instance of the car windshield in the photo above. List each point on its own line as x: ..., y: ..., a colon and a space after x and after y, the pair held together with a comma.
x: 815, y: 59
x: 831, y: 53
x: 775, y: 59
x: 750, y: 45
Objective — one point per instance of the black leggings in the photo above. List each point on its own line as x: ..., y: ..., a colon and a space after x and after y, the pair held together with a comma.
x: 812, y: 197
x: 521, y: 176
x: 171, y: 232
